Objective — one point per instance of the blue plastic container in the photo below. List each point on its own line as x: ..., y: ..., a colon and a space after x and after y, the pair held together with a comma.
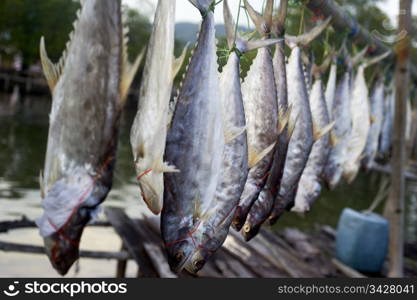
x: 362, y: 240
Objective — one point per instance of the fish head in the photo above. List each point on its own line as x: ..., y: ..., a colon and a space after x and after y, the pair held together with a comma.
x: 179, y: 254
x: 151, y: 186
x: 198, y: 260
x: 62, y: 250
x: 209, y: 240
x: 250, y: 230
x: 68, y: 207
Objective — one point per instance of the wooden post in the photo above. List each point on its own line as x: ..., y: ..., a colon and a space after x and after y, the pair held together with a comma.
x: 394, y: 209
x: 121, y: 265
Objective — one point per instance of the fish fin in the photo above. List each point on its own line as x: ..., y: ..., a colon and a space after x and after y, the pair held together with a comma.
x: 51, y: 71
x: 317, y: 70
x: 202, y: 5
x: 231, y: 133
x: 307, y: 37
x: 128, y: 74
x: 319, y: 133
x: 263, y: 23
x: 255, y: 157
x: 291, y: 126
x: 334, y: 140
x: 178, y: 62
x: 284, y: 119
x: 41, y: 185
x: 278, y: 25
x: 229, y: 24
x: 358, y: 57
x: 167, y: 168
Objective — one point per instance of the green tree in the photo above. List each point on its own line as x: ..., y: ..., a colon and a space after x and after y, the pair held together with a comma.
x: 23, y: 22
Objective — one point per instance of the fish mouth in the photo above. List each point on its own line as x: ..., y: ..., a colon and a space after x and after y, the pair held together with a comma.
x: 62, y: 254
x: 177, y: 269
x: 249, y: 231
x: 196, y: 263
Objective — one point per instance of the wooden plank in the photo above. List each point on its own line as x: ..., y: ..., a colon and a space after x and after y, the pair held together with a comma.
x: 23, y: 223
x: 229, y: 266
x: 121, y: 265
x: 125, y: 228
x: 154, y: 247
x: 14, y: 247
x: 348, y: 271
x: 250, y: 258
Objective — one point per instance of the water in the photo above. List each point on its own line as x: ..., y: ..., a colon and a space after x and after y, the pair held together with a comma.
x: 23, y: 137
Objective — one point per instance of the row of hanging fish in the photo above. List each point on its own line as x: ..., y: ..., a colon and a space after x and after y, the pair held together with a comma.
x: 225, y: 153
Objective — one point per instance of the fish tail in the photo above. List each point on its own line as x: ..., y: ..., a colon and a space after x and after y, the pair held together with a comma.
x: 235, y: 41
x: 229, y: 25
x: 204, y: 6
x: 263, y: 23
x: 308, y: 37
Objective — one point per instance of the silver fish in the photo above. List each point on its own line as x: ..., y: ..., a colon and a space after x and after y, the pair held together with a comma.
x: 331, y: 89
x: 213, y: 231
x: 263, y: 205
x: 195, y: 144
x: 387, y: 125
x: 149, y: 130
x: 377, y: 110
x: 261, y: 109
x: 409, y: 120
x: 89, y: 86
x: 360, y: 111
x: 309, y: 187
x: 303, y: 135
x: 342, y: 127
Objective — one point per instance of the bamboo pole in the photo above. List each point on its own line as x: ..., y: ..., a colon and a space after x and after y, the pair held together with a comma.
x: 341, y: 20
x: 394, y: 209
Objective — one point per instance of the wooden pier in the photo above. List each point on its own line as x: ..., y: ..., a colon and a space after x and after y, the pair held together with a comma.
x: 289, y: 253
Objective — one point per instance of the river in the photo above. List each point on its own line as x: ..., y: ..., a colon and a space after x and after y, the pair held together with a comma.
x: 23, y: 137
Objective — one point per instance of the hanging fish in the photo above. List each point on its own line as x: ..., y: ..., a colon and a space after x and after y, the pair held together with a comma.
x: 409, y: 120
x: 195, y: 144
x: 331, y: 87
x: 90, y: 82
x: 387, y: 124
x: 304, y: 132
x: 309, y: 187
x: 263, y: 205
x: 149, y: 130
x: 261, y: 109
x: 342, y: 121
x: 360, y: 111
x: 376, y: 114
x: 212, y: 232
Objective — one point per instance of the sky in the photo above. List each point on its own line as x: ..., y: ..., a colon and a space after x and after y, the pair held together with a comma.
x: 187, y: 13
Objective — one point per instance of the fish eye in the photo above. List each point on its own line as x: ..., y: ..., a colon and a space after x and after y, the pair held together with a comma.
x: 246, y: 228
x: 198, y: 264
